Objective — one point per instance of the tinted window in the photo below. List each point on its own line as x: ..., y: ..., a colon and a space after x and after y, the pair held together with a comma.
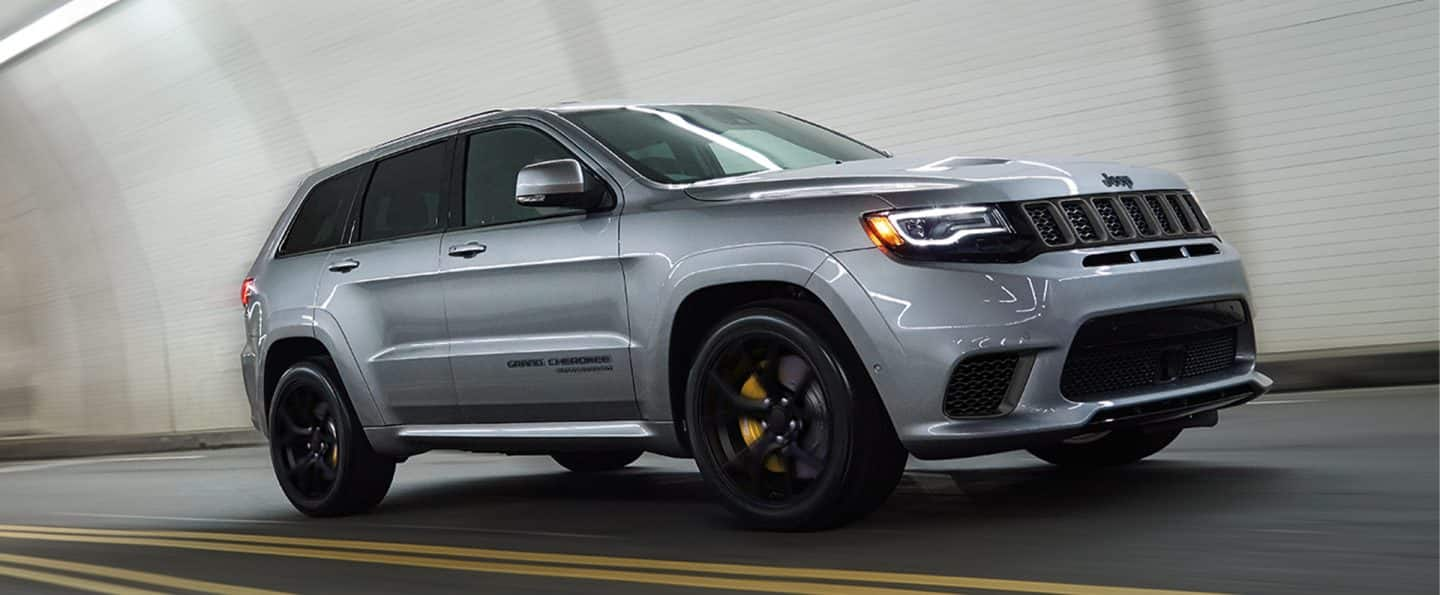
x: 492, y: 162
x: 320, y: 221
x: 406, y: 194
x: 690, y: 143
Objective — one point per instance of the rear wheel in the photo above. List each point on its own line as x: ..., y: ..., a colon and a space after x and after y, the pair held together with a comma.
x: 1106, y: 450
x: 785, y: 424
x: 590, y: 462
x: 320, y: 455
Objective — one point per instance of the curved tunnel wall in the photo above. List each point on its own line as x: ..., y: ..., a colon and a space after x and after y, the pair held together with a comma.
x: 145, y: 153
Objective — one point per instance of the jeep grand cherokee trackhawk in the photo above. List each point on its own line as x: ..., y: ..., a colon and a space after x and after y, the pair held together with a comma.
x: 794, y: 309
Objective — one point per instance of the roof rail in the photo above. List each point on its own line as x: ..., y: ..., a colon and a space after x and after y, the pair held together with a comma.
x: 428, y: 129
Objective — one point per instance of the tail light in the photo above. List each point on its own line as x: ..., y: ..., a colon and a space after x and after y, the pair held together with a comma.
x: 247, y: 291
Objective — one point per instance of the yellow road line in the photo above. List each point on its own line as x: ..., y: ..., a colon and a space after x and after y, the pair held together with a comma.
x: 676, y: 580
x: 134, y: 576
x: 70, y: 582
x: 769, y: 572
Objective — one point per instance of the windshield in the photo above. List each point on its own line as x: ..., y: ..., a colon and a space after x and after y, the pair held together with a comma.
x: 679, y: 144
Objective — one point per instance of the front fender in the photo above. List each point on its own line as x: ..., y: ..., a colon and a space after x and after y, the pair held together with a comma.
x: 653, y: 308
x: 874, y: 341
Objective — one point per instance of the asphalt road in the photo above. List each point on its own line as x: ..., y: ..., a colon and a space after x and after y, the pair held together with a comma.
x: 1298, y: 493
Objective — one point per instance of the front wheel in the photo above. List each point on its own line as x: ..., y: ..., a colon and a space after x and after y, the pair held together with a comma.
x: 320, y: 455
x: 1106, y: 450
x: 785, y: 424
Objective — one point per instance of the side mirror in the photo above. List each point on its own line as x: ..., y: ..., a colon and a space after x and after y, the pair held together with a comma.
x: 557, y: 183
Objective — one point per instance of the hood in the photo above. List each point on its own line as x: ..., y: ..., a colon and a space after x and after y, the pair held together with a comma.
x: 934, y: 178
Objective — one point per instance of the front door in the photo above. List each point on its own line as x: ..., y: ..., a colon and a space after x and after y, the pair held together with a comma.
x: 534, y: 296
x: 384, y: 292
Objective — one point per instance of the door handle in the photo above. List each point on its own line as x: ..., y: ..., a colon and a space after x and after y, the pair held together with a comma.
x: 344, y: 266
x: 467, y: 250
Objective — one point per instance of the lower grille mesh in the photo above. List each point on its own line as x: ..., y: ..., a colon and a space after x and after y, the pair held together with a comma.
x: 1209, y: 355
x: 978, y: 386
x: 1093, y: 373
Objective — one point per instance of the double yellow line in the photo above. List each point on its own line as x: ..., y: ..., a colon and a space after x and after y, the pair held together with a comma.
x: 8, y: 569
x: 675, y: 573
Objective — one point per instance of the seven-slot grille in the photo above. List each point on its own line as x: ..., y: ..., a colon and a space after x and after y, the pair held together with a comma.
x: 1116, y: 218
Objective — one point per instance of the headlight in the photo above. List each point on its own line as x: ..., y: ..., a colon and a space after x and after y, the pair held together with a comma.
x: 977, y: 233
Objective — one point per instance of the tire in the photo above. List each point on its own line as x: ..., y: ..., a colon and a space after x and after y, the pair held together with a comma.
x: 1116, y: 448
x: 318, y: 449
x: 593, y: 462
x: 826, y: 452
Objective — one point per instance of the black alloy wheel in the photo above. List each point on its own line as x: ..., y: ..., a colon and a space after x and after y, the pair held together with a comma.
x: 774, y: 441
x: 320, y: 455
x: 791, y: 437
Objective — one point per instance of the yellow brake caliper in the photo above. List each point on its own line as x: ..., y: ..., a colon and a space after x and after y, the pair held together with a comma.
x: 334, y: 454
x: 750, y: 428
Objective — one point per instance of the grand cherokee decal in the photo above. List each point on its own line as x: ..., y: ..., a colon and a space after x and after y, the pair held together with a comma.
x: 1112, y: 181
x: 566, y: 365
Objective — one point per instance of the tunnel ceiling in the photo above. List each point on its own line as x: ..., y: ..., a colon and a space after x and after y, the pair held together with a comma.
x: 15, y: 14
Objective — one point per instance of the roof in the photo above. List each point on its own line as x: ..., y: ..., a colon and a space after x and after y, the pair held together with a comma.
x: 561, y: 107
x: 569, y: 106
x: 564, y: 106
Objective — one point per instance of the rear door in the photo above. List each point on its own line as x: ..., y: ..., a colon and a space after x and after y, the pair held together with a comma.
x: 535, y: 297
x: 383, y: 290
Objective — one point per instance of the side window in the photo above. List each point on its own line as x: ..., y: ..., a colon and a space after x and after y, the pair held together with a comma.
x: 493, y: 160
x: 406, y: 194
x: 320, y: 221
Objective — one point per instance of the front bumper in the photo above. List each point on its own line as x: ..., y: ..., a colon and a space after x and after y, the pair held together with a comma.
x: 937, y: 314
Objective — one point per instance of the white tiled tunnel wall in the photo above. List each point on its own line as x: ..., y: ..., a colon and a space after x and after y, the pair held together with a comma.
x: 145, y: 153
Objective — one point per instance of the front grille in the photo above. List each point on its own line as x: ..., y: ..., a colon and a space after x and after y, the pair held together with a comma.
x: 1167, y: 223
x: 978, y: 386
x: 1080, y: 221
x: 1182, y: 213
x: 1199, y: 214
x: 1131, y: 351
x: 1113, y: 219
x: 1137, y: 216
x: 1042, y: 216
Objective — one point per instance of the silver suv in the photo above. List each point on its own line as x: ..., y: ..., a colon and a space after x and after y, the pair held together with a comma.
x: 792, y: 308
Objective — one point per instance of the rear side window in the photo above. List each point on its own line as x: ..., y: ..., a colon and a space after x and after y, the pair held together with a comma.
x: 320, y: 221
x: 406, y: 194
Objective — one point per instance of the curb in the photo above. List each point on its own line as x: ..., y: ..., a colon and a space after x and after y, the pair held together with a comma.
x: 54, y: 447
x: 1368, y: 367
